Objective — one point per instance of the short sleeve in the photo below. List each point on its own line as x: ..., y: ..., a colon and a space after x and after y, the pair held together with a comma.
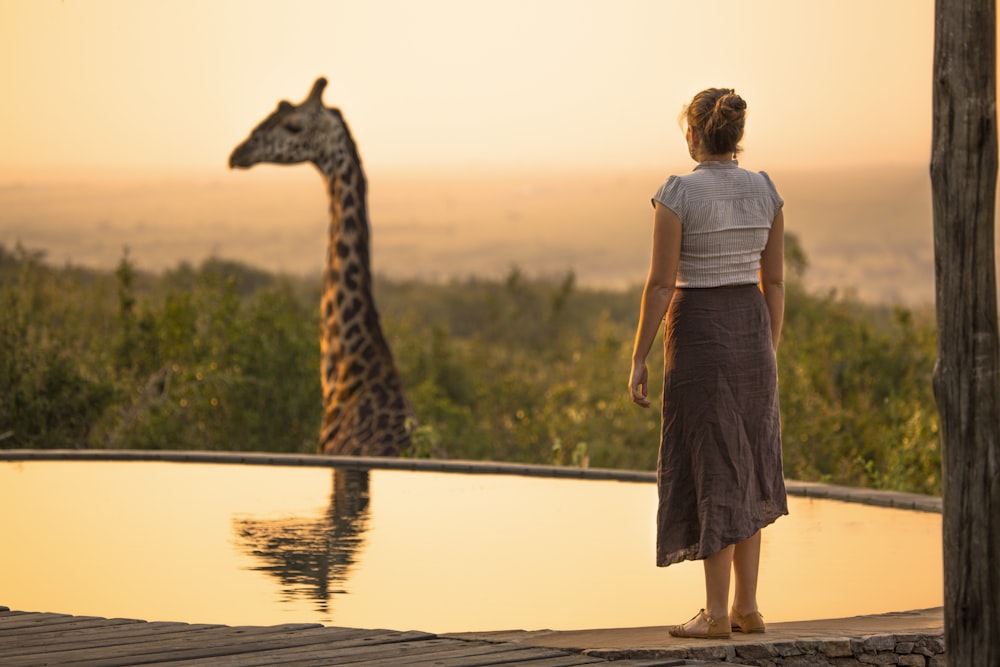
x: 671, y: 195
x: 775, y: 197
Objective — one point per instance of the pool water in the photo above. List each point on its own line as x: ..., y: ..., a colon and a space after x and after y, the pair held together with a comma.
x: 433, y: 551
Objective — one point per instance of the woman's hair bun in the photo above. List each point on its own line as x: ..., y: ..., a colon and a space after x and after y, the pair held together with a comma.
x: 730, y: 105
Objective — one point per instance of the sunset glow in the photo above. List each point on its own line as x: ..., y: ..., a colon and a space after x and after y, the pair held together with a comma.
x: 117, y: 83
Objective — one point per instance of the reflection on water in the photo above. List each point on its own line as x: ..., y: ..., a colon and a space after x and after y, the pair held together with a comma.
x: 440, y: 552
x: 312, y: 556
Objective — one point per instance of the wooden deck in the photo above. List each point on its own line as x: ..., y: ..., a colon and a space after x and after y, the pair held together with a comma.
x: 32, y: 639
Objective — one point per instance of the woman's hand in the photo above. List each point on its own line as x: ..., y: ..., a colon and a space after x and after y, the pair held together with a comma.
x: 638, y: 386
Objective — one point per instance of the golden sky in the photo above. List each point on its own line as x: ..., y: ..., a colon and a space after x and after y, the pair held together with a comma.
x: 464, y: 83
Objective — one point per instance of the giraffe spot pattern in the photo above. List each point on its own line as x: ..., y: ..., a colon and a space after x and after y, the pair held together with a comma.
x: 351, y: 275
x: 352, y: 311
x: 353, y: 337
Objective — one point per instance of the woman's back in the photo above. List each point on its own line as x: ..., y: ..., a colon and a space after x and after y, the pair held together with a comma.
x: 726, y: 214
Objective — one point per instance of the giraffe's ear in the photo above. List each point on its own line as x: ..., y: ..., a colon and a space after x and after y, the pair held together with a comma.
x: 284, y: 105
x: 316, y: 94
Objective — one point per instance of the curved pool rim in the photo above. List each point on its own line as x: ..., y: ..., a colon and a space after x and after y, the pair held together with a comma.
x: 876, y: 497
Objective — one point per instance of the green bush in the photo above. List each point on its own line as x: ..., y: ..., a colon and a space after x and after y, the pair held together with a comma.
x: 224, y: 356
x: 50, y: 396
x: 856, y: 398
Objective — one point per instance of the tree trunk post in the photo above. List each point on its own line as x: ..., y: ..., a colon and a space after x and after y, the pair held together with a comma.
x: 967, y: 376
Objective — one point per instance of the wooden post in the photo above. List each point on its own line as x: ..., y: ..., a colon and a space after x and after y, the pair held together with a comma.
x: 967, y: 375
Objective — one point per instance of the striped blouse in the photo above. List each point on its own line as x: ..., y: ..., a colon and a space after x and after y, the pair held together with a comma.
x: 726, y: 214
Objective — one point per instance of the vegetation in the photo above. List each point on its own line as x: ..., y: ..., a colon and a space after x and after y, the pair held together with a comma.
x: 224, y: 356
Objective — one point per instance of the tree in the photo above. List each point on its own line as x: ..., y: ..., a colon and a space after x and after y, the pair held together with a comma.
x: 967, y: 376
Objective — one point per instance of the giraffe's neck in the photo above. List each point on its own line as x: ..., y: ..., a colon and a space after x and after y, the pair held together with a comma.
x: 349, y: 319
x: 365, y: 410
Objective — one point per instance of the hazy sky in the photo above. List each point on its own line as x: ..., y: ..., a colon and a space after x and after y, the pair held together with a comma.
x: 461, y: 83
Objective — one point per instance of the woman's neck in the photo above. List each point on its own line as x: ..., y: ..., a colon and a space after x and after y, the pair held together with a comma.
x: 718, y: 157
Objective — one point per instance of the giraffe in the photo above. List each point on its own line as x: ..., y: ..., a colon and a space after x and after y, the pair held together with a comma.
x: 365, y: 411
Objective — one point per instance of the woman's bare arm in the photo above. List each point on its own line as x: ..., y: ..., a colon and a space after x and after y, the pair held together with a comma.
x: 656, y: 296
x: 772, y: 276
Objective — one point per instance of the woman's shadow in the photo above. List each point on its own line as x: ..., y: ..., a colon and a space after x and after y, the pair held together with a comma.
x: 311, y: 557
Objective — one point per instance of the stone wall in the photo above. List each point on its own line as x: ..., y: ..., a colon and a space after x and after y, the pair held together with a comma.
x: 909, y: 650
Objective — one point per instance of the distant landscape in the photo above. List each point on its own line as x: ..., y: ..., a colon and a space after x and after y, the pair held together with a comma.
x: 509, y: 300
x: 866, y: 231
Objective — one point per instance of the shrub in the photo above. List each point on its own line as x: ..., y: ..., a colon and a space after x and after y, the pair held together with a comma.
x: 534, y: 370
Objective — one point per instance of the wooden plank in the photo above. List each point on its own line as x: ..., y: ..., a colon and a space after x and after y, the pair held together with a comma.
x: 432, y: 649
x: 97, y: 635
x: 101, y: 637
x: 130, y: 636
x: 540, y: 658
x: 514, y: 654
x: 329, y: 653
x: 130, y: 652
x: 406, y: 655
x: 472, y: 653
x: 211, y: 643
x: 217, y: 644
x: 14, y: 620
x: 30, y: 630
x: 41, y: 632
x: 575, y: 660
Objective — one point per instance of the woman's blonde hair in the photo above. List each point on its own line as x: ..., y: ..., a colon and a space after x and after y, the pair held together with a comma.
x: 718, y: 115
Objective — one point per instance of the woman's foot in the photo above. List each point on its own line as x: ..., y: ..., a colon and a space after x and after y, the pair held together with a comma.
x: 703, y: 626
x: 749, y: 623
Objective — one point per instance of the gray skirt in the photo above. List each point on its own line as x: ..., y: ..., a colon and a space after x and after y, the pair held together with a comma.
x: 719, y: 473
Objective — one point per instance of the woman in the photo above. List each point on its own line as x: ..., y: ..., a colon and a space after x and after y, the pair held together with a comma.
x: 716, y: 274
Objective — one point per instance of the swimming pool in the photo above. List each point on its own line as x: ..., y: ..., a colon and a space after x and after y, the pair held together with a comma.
x: 434, y: 551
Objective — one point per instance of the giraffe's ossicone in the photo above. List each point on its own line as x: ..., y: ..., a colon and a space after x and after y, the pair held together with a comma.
x: 365, y: 411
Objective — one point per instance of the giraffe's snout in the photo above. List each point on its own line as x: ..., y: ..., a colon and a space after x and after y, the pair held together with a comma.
x: 240, y: 158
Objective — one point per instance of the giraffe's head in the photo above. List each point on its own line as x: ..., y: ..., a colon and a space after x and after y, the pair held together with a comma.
x: 292, y: 133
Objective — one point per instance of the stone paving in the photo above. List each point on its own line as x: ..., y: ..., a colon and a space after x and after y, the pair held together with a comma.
x: 911, y: 638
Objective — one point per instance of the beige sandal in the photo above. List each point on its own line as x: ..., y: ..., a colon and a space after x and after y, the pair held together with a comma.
x: 718, y: 628
x: 751, y: 623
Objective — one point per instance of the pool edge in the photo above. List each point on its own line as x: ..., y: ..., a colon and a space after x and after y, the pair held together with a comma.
x: 877, y: 497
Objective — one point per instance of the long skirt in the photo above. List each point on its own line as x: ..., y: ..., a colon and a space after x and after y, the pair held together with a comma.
x: 719, y: 474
